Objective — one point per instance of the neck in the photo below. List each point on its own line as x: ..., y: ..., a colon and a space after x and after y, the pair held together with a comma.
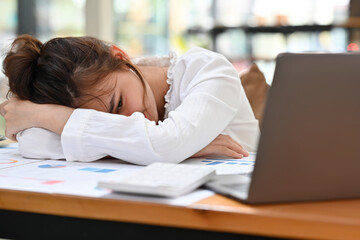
x: 156, y: 78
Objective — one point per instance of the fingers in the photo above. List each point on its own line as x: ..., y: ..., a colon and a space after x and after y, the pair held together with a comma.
x: 228, y: 152
x: 229, y: 143
x: 213, y: 150
x: 10, y: 135
x: 223, y: 145
x: 6, y: 108
x: 2, y: 109
x: 6, y: 104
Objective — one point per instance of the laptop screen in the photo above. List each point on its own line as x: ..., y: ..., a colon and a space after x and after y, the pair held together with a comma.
x: 310, y: 135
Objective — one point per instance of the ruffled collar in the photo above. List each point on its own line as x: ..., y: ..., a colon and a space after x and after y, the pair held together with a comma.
x: 169, y: 80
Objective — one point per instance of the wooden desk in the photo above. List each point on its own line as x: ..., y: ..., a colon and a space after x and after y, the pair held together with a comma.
x: 320, y: 220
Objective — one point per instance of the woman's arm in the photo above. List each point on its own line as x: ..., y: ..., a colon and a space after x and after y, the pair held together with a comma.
x: 37, y: 127
x: 40, y: 143
x: 29, y: 129
x: 209, y: 102
x: 223, y: 146
x: 207, y: 106
x: 22, y: 114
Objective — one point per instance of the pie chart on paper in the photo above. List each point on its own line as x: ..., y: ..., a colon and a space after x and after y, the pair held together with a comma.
x: 7, y: 161
x: 52, y: 166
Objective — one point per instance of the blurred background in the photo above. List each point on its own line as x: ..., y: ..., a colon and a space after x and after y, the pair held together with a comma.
x: 245, y: 31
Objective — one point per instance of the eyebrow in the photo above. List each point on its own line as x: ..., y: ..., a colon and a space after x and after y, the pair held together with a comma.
x: 111, y: 105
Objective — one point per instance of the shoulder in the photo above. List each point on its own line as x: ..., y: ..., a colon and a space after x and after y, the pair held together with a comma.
x: 199, y: 64
x: 199, y: 61
x: 201, y: 71
x: 198, y: 54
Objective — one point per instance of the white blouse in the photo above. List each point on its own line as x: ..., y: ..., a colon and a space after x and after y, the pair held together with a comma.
x: 205, y: 99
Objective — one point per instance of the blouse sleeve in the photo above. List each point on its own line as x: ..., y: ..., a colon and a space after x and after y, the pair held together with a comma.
x: 208, y: 103
x: 39, y: 143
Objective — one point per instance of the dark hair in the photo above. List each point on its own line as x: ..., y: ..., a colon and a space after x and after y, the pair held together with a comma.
x: 62, y: 70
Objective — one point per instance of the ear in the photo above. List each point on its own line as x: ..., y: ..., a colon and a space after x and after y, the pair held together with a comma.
x: 117, y: 52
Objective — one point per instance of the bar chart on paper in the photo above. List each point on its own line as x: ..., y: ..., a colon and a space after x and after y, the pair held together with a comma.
x: 56, y: 176
x: 227, y: 165
x: 74, y: 178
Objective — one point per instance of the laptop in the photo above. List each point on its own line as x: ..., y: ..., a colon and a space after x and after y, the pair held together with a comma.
x: 309, y: 147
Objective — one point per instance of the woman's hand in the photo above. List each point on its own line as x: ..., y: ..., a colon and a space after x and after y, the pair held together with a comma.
x: 223, y: 145
x: 22, y: 114
x: 19, y: 115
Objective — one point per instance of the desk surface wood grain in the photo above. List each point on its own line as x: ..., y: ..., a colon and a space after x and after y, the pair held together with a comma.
x: 320, y: 220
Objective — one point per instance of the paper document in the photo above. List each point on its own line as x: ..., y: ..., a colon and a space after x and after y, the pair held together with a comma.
x: 74, y: 178
x: 10, y: 157
x: 227, y: 165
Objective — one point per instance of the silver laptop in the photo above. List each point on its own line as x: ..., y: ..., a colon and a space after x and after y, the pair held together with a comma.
x: 310, y: 137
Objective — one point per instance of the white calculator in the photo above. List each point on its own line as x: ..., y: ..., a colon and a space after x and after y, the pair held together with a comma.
x: 162, y: 179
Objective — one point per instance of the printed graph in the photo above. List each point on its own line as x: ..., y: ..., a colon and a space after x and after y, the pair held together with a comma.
x: 52, y: 166
x: 98, y: 170
x: 32, y: 179
x: 8, y: 161
x: 218, y: 161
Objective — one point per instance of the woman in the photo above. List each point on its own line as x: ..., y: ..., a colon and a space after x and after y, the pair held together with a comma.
x: 81, y: 99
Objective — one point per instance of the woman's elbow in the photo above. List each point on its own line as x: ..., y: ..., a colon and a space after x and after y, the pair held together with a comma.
x: 39, y: 143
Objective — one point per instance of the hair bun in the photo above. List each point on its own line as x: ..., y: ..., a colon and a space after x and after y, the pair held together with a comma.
x: 20, y: 65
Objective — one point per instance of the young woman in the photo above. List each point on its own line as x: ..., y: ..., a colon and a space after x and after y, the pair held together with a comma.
x: 81, y: 99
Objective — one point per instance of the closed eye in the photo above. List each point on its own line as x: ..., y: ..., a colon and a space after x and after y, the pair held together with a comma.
x: 111, y: 104
x: 119, y: 104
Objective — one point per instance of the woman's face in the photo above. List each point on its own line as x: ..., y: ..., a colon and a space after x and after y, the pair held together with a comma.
x: 123, y: 93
